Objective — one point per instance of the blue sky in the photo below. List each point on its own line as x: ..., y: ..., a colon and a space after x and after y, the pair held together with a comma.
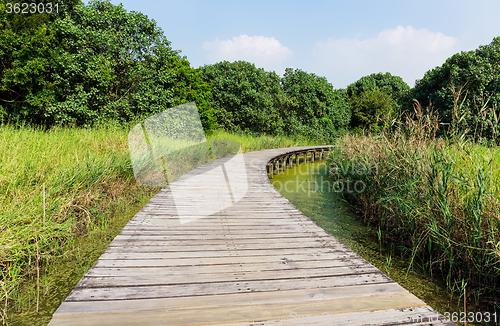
x: 341, y: 40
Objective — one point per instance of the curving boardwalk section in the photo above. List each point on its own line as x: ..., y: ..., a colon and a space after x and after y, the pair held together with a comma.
x: 258, y: 262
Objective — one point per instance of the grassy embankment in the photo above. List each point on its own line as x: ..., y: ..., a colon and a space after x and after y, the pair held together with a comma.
x: 436, y: 200
x: 87, y: 175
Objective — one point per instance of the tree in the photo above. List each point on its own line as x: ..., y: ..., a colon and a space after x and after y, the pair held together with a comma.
x: 393, y: 86
x: 316, y: 110
x: 371, y: 108
x: 26, y: 49
x: 476, y: 74
x: 246, y: 98
x: 374, y: 97
x: 98, y: 63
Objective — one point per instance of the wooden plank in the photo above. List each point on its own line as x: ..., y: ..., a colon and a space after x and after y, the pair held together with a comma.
x: 420, y: 315
x: 230, y: 314
x: 245, y: 243
x: 217, y: 260
x: 92, y: 282
x: 202, y: 251
x: 223, y: 231
x: 245, y: 236
x: 224, y: 300
x: 223, y: 268
x: 194, y: 289
x: 209, y: 228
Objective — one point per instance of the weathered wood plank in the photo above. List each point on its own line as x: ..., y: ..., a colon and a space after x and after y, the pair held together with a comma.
x: 92, y: 282
x: 216, y: 260
x: 223, y: 268
x: 245, y: 243
x: 224, y: 300
x: 194, y: 289
x: 236, y: 313
x: 203, y: 251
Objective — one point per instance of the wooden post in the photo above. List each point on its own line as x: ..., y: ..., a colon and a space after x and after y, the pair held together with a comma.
x: 277, y: 167
x: 313, y: 156
x: 37, y: 274
x: 271, y: 170
x: 290, y: 161
x: 283, y: 167
x: 305, y: 158
x: 321, y: 155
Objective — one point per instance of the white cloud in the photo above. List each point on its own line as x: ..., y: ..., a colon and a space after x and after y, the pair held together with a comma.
x: 404, y: 51
x: 265, y: 52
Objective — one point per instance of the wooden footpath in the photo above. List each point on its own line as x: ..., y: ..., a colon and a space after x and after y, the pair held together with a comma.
x: 257, y: 262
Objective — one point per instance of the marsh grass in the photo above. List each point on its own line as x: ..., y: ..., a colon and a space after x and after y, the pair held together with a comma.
x: 437, y: 199
x: 88, y: 178
x: 85, y: 172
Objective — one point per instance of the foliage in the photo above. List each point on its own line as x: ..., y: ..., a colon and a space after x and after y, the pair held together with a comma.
x: 371, y: 108
x: 375, y: 99
x: 99, y: 63
x: 466, y: 90
x: 86, y: 172
x: 394, y: 86
x: 246, y: 98
x: 316, y: 110
x: 252, y: 100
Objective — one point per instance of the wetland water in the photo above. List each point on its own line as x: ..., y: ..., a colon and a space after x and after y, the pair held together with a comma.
x: 309, y: 189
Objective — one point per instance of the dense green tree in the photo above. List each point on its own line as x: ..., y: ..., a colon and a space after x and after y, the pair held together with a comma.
x: 246, y: 98
x: 374, y: 97
x: 96, y: 63
x: 372, y: 108
x: 472, y: 79
x: 26, y: 50
x: 394, y: 86
x: 316, y: 110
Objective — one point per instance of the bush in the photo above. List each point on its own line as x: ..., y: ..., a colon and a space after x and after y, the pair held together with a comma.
x: 394, y: 86
x: 372, y: 108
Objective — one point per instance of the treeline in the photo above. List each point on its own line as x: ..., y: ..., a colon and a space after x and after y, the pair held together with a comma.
x: 99, y: 64
x: 92, y: 64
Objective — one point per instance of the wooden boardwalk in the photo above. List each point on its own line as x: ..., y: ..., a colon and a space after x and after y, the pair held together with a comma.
x: 258, y: 262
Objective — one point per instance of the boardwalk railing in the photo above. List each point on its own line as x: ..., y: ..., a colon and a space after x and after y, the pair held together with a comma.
x: 289, y: 159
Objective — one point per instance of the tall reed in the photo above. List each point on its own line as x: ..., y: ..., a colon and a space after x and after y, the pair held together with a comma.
x: 437, y: 197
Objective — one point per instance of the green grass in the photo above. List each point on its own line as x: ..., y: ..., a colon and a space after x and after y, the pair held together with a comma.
x: 87, y: 175
x: 84, y: 171
x: 438, y: 200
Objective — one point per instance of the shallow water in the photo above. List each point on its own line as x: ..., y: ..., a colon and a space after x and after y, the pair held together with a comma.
x: 310, y: 190
x: 63, y: 274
